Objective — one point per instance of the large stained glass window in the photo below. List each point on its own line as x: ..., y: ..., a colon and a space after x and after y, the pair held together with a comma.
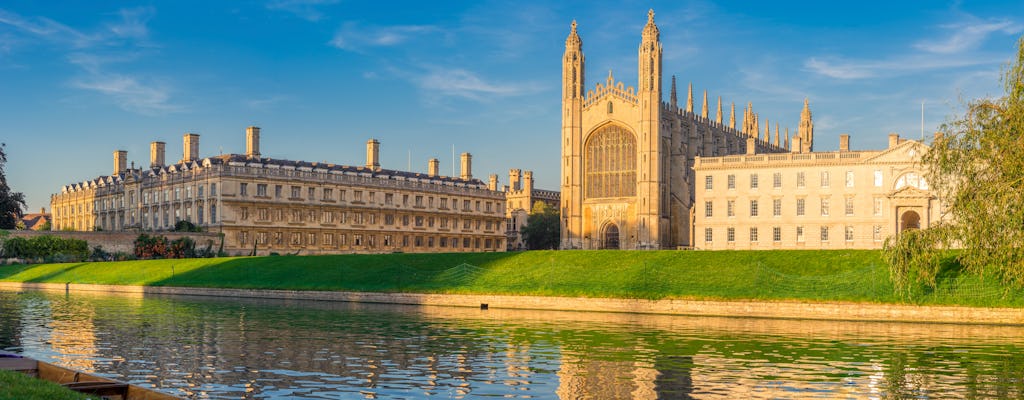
x: 610, y: 163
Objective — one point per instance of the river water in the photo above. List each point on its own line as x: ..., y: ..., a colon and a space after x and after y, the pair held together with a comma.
x: 198, y: 347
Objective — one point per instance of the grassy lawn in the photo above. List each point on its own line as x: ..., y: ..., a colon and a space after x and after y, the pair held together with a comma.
x: 18, y: 386
x: 815, y: 275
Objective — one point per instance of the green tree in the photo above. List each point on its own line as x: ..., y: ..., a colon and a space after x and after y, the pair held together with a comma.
x: 542, y: 227
x: 977, y: 167
x: 11, y: 203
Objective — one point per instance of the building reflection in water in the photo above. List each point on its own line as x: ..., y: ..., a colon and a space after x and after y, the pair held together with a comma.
x: 205, y: 347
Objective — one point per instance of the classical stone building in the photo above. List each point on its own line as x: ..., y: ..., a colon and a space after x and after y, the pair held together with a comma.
x: 627, y: 155
x: 820, y: 200
x: 265, y: 205
x: 520, y: 197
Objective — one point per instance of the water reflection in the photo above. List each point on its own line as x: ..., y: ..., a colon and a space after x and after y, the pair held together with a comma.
x: 221, y: 348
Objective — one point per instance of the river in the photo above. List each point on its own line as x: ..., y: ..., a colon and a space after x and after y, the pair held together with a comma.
x: 205, y: 347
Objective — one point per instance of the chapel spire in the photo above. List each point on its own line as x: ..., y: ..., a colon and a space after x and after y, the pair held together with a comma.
x: 689, y: 98
x: 572, y: 65
x: 672, y: 96
x: 732, y: 116
x: 718, y: 116
x: 806, y: 130
x: 704, y: 107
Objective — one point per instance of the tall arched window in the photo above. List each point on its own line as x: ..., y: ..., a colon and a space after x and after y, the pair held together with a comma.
x: 610, y: 163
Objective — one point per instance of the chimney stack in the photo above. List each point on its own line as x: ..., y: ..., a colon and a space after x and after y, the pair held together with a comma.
x: 751, y: 146
x: 798, y: 144
x: 252, y: 142
x: 373, y: 154
x: 492, y: 182
x: 433, y: 166
x: 844, y: 142
x: 513, y: 179
x: 894, y: 139
x: 120, y: 161
x: 528, y: 181
x: 156, y: 154
x: 191, y: 147
x: 467, y: 166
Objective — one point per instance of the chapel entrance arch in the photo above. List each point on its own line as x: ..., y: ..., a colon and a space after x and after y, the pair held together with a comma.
x: 611, y: 237
x: 910, y: 220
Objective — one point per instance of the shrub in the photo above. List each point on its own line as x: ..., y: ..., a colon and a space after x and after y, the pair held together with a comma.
x: 47, y: 247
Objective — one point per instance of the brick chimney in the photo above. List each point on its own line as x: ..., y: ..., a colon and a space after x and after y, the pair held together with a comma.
x: 844, y: 142
x: 252, y: 142
x: 156, y: 154
x: 373, y: 154
x: 191, y: 147
x: 120, y: 161
x: 467, y: 166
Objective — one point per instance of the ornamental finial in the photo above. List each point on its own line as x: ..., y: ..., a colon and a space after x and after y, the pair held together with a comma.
x: 650, y: 15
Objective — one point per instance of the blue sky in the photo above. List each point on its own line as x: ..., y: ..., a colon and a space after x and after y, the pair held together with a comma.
x: 82, y: 79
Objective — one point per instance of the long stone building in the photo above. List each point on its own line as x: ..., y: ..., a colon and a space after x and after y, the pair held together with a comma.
x: 264, y: 205
x: 822, y: 200
x: 627, y: 155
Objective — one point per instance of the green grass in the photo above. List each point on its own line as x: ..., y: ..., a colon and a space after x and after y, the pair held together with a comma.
x: 813, y: 275
x: 18, y: 386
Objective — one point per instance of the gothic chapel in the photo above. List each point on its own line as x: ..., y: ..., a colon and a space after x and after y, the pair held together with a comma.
x: 627, y: 156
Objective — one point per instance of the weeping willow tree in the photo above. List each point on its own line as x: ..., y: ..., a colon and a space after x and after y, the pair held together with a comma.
x: 977, y: 168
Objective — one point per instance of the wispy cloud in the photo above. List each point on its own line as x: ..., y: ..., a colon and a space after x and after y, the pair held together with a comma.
x: 354, y: 37
x: 264, y: 103
x: 841, y: 68
x: 462, y: 83
x: 956, y: 50
x: 968, y: 35
x: 306, y: 9
x: 130, y: 94
x: 94, y: 52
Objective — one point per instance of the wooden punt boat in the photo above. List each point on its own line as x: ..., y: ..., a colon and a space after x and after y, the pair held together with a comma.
x: 79, y: 381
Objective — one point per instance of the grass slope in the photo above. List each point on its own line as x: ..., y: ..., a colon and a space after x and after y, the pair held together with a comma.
x: 829, y: 275
x: 18, y: 386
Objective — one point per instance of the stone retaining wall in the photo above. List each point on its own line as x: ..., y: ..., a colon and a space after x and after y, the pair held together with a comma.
x: 748, y: 309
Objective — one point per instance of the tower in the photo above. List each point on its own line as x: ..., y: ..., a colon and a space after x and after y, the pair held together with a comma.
x: 572, y: 141
x: 652, y: 188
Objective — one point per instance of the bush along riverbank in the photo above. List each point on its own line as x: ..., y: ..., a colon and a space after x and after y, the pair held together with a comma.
x: 805, y: 275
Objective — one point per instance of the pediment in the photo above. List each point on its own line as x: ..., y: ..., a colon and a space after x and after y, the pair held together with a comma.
x: 910, y: 192
x: 908, y: 151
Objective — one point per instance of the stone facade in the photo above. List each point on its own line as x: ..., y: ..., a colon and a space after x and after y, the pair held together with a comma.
x: 266, y: 205
x: 520, y: 197
x: 627, y: 155
x: 821, y: 200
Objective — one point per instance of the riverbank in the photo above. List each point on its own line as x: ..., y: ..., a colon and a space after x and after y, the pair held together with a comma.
x: 834, y: 311
x: 812, y: 275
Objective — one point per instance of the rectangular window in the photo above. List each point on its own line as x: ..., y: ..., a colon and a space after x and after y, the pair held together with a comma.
x: 824, y: 234
x: 824, y: 206
x: 244, y: 213
x: 730, y: 234
x: 825, y: 179
x: 730, y: 208
x: 389, y: 219
x: 311, y: 193
x: 296, y: 192
x: 243, y: 190
x: 877, y: 209
x: 708, y: 210
x: 357, y: 240
x: 419, y: 201
x: 328, y: 194
x: 277, y: 191
x: 328, y: 239
x: 849, y: 233
x: 200, y: 190
x: 876, y: 233
x: 261, y: 238
x: 777, y: 180
x: 389, y: 199
x: 777, y: 234
x: 341, y: 195
x: 732, y: 181
x: 800, y: 179
x: 878, y: 178
x: 753, y: 234
x: 708, y: 182
x: 261, y: 189
x: 849, y: 206
x: 753, y: 208
x: 800, y: 206
x: 753, y: 181
x: 849, y: 178
x: 800, y: 234
x: 777, y: 207
x: 707, y: 235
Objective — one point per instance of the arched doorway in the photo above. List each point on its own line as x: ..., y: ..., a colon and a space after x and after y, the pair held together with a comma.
x: 910, y: 220
x: 611, y: 237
